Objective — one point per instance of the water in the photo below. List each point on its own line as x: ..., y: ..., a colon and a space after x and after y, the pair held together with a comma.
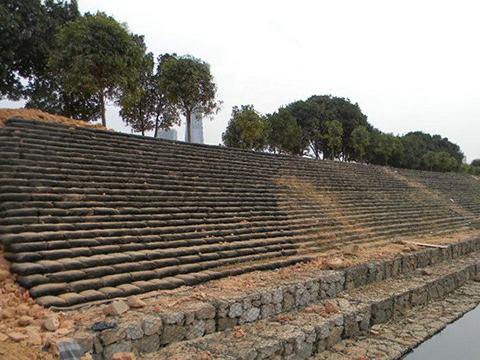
x: 458, y: 340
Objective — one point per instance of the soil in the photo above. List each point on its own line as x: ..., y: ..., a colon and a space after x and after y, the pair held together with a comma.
x: 34, y: 114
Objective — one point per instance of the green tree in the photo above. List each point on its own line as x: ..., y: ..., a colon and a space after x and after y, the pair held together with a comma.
x: 359, y: 143
x: 475, y: 163
x: 284, y: 135
x: 189, y: 86
x: 28, y: 29
x: 439, y: 161
x: 312, y: 114
x: 246, y: 129
x: 96, y: 56
x: 308, y: 117
x: 332, y: 137
x: 144, y: 107
x: 137, y: 100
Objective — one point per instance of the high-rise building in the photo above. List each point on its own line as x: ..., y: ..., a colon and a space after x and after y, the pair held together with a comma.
x: 169, y: 134
x: 197, y: 129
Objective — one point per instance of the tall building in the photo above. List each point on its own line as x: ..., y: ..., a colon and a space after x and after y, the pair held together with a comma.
x: 197, y: 129
x: 169, y: 134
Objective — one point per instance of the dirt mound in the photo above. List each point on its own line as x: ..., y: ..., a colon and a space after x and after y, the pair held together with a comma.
x: 34, y: 114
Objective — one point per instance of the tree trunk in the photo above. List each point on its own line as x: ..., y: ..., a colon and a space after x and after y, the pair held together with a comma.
x: 188, y: 117
x: 156, y: 125
x: 102, y: 108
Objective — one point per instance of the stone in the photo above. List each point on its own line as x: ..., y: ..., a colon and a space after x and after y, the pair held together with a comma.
x: 25, y: 320
x: 17, y: 336
x: 119, y: 347
x: 134, y: 331
x: 34, y: 336
x: 136, y: 303
x: 152, y: 325
x: 250, y: 315
x: 235, y: 310
x: 111, y: 336
x: 226, y: 323
x: 330, y: 307
x: 206, y: 311
x: 51, y: 323
x: 116, y: 308
x: 147, y: 344
x: 3, y: 275
x: 174, y: 318
x: 172, y: 333
x: 87, y: 356
x: 197, y: 329
x: 124, y: 356
x: 104, y: 325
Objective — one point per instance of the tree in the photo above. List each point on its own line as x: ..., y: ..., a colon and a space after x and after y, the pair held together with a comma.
x: 359, y: 143
x: 312, y: 114
x: 188, y: 85
x: 144, y: 107
x: 332, y: 137
x: 341, y: 109
x: 475, y: 163
x: 96, y: 56
x: 284, y: 135
x: 246, y: 129
x: 308, y: 117
x: 439, y: 161
x: 28, y: 29
x: 137, y: 99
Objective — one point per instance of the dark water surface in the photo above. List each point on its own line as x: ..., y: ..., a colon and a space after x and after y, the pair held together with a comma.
x: 459, y: 340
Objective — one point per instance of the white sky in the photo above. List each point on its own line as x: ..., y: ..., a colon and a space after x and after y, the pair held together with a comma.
x: 411, y: 65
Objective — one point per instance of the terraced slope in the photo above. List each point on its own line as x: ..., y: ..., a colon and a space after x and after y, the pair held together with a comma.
x: 88, y: 214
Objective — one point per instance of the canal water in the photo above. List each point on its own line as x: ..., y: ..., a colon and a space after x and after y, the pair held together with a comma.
x: 459, y: 340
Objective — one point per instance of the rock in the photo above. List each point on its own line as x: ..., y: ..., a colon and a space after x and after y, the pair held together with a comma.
x: 116, y: 308
x: 51, y: 323
x: 426, y: 272
x: 34, y: 336
x: 334, y: 263
x: 3, y: 275
x: 476, y: 277
x: 104, y: 325
x: 136, y: 303
x: 16, y: 336
x: 124, y: 356
x: 3, y: 337
x: 87, y: 356
x: 330, y: 307
x: 6, y: 314
x: 25, y: 320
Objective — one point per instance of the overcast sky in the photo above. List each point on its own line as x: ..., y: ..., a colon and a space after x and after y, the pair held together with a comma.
x: 411, y: 65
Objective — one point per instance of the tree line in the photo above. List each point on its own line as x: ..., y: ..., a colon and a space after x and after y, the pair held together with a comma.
x: 334, y: 128
x: 70, y: 64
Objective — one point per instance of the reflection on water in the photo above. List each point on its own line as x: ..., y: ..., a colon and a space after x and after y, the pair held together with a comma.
x: 458, y: 340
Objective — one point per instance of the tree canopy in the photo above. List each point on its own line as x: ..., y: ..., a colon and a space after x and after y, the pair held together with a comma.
x: 335, y: 128
x: 28, y: 29
x: 246, y: 129
x: 97, y: 56
x: 188, y: 85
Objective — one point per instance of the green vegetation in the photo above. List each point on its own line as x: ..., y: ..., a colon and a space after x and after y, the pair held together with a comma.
x: 70, y: 64
x: 188, y: 85
x: 96, y: 56
x: 334, y: 128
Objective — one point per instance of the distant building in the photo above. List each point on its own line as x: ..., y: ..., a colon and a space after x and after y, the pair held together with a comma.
x: 197, y: 129
x: 170, y: 134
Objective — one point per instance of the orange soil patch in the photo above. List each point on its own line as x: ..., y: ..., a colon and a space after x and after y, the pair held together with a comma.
x: 22, y: 335
x: 34, y: 114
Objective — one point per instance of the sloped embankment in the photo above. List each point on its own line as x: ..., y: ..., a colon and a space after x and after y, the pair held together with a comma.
x: 91, y: 215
